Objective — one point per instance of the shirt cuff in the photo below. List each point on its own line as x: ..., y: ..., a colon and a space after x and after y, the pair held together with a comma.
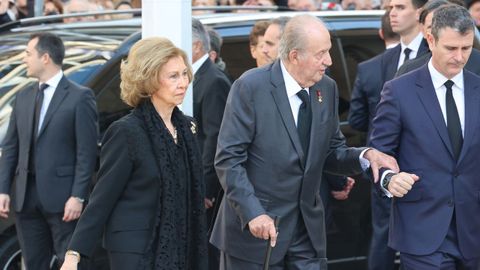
x: 363, y: 161
x: 382, y: 180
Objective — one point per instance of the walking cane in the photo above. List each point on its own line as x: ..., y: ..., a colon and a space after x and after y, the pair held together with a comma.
x: 266, y: 262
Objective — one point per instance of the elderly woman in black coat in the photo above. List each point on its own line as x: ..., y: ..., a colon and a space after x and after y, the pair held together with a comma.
x: 148, y: 201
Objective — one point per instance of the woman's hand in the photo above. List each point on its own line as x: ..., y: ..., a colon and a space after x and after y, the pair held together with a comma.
x: 70, y: 263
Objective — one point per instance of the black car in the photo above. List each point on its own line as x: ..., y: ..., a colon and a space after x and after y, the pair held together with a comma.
x: 354, y: 39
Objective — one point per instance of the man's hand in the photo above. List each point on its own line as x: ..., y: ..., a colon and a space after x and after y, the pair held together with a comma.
x: 379, y: 160
x: 209, y: 203
x: 4, y: 205
x: 343, y: 194
x: 73, y: 209
x: 402, y: 183
x: 263, y: 227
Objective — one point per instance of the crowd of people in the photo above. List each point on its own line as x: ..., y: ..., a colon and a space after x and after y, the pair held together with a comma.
x: 213, y: 190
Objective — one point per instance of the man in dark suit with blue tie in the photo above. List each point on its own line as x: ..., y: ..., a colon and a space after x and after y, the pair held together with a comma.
x: 429, y: 120
x: 371, y: 77
x: 279, y: 133
x: 49, y: 155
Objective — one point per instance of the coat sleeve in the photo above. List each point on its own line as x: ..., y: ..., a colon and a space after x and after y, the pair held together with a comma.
x: 236, y: 134
x: 115, y: 169
x: 212, y: 113
x: 387, y: 125
x: 9, y: 154
x: 86, y: 136
x: 358, y: 117
x: 341, y: 160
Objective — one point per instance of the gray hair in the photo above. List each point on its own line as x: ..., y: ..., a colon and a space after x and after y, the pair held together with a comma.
x: 199, y: 33
x: 429, y: 7
x: 452, y: 16
x: 281, y: 22
x: 294, y: 36
x: 215, y: 40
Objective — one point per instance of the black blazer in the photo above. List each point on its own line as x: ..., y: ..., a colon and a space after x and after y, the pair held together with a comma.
x: 371, y: 75
x: 210, y: 91
x: 472, y: 65
x: 66, y: 146
x: 124, y: 200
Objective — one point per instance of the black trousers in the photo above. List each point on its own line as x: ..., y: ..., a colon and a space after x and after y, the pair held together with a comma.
x: 41, y: 234
x: 381, y: 256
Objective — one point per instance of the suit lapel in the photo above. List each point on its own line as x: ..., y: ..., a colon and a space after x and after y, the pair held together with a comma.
x: 471, y: 88
x: 426, y: 93
x: 203, y: 68
x: 423, y: 48
x: 318, y: 110
x: 57, y: 99
x: 31, y: 109
x: 279, y: 93
x: 390, y: 63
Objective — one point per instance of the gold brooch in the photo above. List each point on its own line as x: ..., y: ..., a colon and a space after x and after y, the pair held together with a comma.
x: 193, y: 128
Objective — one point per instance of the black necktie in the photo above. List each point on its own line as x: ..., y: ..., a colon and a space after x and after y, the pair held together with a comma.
x: 407, y: 52
x: 36, y: 118
x: 453, y: 121
x: 304, y: 120
x: 38, y: 107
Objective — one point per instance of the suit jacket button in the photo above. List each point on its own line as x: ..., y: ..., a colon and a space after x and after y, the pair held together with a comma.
x: 450, y: 203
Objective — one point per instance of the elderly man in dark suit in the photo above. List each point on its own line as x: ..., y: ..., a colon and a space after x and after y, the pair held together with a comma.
x: 473, y: 63
x: 429, y: 120
x: 279, y: 133
x: 210, y: 91
x: 49, y: 152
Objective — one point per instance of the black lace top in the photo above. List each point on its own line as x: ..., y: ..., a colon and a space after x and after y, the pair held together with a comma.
x: 179, y: 240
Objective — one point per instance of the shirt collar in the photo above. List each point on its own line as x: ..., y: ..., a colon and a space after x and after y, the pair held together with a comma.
x: 196, y: 66
x: 291, y: 84
x: 414, y: 45
x: 438, y: 79
x: 55, y: 80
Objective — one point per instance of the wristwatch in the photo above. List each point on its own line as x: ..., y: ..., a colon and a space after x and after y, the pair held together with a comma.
x: 387, y: 179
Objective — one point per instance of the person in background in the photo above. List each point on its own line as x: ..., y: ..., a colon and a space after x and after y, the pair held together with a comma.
x: 52, y: 7
x: 426, y: 17
x: 49, y: 154
x: 77, y: 6
x: 257, y: 42
x: 8, y: 11
x: 203, y: 3
x: 272, y: 38
x: 403, y: 21
x: 474, y: 9
x: 428, y: 120
x: 210, y: 90
x: 303, y: 5
x: 123, y: 5
x: 149, y: 198
x: 216, y: 43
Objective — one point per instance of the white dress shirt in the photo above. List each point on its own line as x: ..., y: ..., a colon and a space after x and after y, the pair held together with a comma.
x: 441, y: 91
x: 438, y: 81
x: 293, y: 87
x: 414, y: 45
x: 48, y: 95
x: 196, y: 66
